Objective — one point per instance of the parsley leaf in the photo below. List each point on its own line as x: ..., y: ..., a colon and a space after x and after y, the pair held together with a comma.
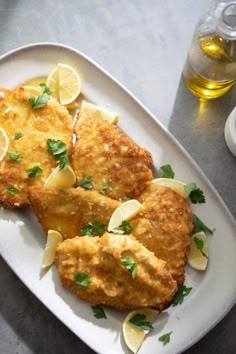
x: 42, y: 99
x: 12, y: 190
x: 45, y: 89
x: 85, y: 182
x: 104, y: 189
x: 165, y: 338
x: 17, y: 136
x: 200, y: 226
x: 58, y: 149
x: 166, y: 171
x: 125, y: 228
x: 199, y: 244
x: 130, y: 265
x: 15, y: 156
x: 180, y: 294
x: 196, y: 194
x: 98, y: 311
x: 138, y: 322
x: 34, y: 171
x: 94, y: 228
x: 82, y: 279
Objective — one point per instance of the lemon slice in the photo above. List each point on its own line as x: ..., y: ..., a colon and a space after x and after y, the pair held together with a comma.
x: 63, y: 178
x: 134, y: 337
x: 94, y: 111
x: 4, y: 143
x: 64, y: 82
x: 124, y: 212
x: 197, y: 258
x: 174, y: 184
x: 53, y: 240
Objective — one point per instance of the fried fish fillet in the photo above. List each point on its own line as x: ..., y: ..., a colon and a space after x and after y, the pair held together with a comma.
x: 111, y: 283
x: 164, y: 225
x: 105, y: 153
x: 67, y: 210
x: 35, y: 126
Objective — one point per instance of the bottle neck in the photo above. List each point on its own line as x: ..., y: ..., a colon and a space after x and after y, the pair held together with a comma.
x: 225, y: 14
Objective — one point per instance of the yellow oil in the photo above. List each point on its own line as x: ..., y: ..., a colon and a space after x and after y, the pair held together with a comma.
x: 210, y: 69
x: 35, y: 81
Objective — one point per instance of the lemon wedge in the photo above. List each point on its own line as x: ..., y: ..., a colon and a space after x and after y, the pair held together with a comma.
x: 53, y: 240
x: 124, y: 212
x: 94, y: 111
x: 64, y: 81
x: 134, y: 337
x: 174, y: 184
x: 61, y: 178
x: 198, y: 255
x: 4, y: 143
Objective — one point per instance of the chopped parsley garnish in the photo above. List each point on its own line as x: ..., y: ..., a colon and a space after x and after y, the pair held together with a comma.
x: 200, y: 226
x: 17, y: 136
x: 180, y: 294
x: 104, y: 189
x: 15, y: 156
x: 11, y: 190
x: 42, y: 99
x: 34, y: 171
x: 85, y: 182
x: 82, y: 279
x: 125, y: 228
x: 94, y: 228
x: 196, y: 194
x: 165, y: 338
x: 58, y: 149
x: 199, y: 244
x: 130, y: 265
x: 98, y: 311
x: 138, y: 321
x: 124, y: 199
x: 166, y: 171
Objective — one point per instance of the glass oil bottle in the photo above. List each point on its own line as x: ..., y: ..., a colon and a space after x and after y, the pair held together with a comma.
x: 210, y: 67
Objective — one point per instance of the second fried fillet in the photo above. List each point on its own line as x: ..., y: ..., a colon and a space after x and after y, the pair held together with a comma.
x: 164, y: 225
x: 101, y: 261
x: 67, y: 210
x: 111, y: 158
x: 34, y: 127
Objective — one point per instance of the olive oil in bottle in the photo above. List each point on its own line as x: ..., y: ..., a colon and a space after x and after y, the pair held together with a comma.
x: 210, y: 67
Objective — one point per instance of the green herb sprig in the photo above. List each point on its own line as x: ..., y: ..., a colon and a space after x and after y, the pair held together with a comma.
x: 94, y: 228
x: 15, y: 156
x: 125, y: 228
x: 166, y: 171
x: 165, y: 338
x: 180, y: 295
x: 98, y: 312
x: 59, y: 150
x: 138, y: 321
x: 130, y: 265
x: 42, y: 99
x: 34, y: 171
x: 199, y: 244
x: 85, y: 182
x: 200, y: 226
x: 82, y: 279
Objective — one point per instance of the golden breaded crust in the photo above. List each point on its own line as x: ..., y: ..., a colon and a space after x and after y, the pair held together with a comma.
x: 111, y: 283
x: 164, y: 225
x: 104, y: 152
x: 67, y: 210
x: 36, y: 126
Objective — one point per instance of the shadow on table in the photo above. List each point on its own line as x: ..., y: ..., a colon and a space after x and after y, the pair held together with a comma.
x: 199, y: 127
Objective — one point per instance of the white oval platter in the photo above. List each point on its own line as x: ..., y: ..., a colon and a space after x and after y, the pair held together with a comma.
x: 22, y: 240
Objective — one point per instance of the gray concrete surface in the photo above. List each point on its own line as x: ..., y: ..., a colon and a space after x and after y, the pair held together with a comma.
x: 143, y: 44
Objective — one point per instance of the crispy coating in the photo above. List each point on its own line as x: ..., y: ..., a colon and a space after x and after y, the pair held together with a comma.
x: 67, y: 210
x: 36, y: 126
x: 111, y: 283
x: 164, y: 225
x: 104, y: 152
